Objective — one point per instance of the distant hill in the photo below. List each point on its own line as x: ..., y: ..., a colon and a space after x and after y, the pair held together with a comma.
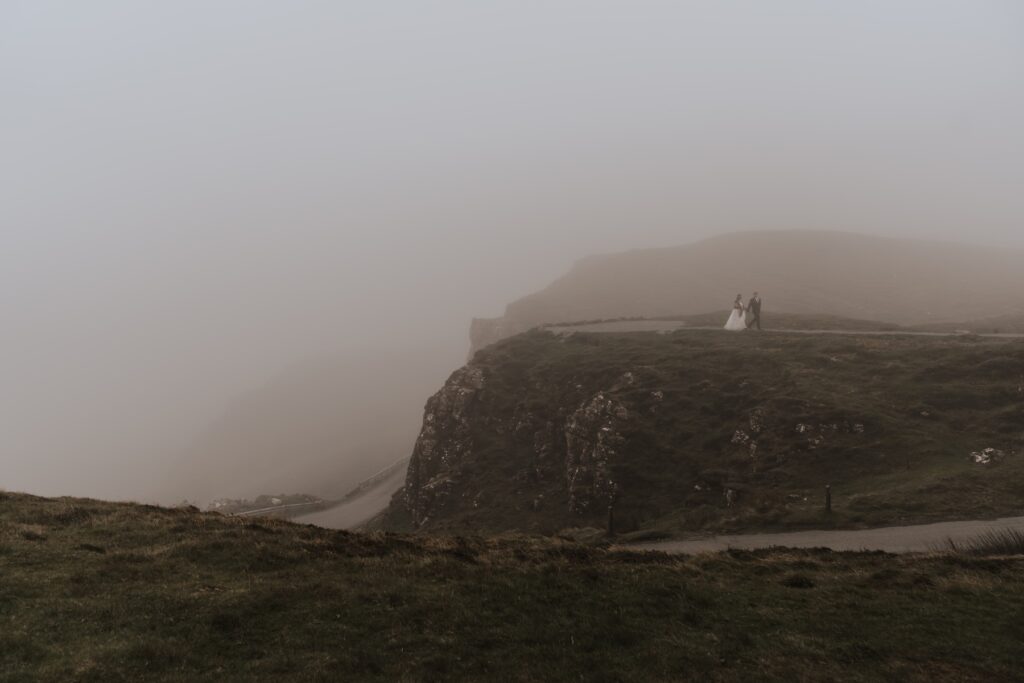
x: 907, y: 282
x: 708, y: 430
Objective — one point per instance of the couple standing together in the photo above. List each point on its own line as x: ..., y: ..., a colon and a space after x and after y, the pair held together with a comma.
x: 745, y: 317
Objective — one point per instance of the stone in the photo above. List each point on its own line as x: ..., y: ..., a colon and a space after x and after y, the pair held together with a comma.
x: 740, y: 437
x: 987, y: 456
x: 443, y: 444
x: 592, y: 437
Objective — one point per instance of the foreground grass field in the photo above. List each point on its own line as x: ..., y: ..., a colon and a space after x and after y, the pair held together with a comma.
x: 97, y: 591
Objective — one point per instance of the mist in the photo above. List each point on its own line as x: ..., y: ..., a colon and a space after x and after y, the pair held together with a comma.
x: 196, y: 198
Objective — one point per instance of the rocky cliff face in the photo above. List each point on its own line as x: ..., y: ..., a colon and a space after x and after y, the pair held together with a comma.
x: 543, y: 455
x: 561, y: 462
x: 444, y: 445
x: 593, y: 435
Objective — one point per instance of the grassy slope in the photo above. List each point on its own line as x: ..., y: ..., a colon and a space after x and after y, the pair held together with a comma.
x: 924, y: 403
x: 96, y: 591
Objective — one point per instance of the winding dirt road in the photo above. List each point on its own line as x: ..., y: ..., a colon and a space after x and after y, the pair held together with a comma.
x: 360, y: 509
x: 896, y: 539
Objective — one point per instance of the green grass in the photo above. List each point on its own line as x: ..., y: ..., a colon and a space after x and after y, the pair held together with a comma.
x: 888, y: 421
x: 94, y: 591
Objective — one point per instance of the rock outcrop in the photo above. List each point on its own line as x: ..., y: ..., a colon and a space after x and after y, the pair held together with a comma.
x: 444, y: 443
x: 592, y: 438
x: 575, y: 455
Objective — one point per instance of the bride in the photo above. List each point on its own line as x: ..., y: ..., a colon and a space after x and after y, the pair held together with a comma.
x: 738, y: 320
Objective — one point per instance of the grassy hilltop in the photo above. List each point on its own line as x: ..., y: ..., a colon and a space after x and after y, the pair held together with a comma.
x: 95, y: 591
x: 907, y: 282
x: 710, y: 431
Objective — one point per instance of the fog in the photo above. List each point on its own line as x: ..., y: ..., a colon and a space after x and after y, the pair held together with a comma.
x: 196, y: 197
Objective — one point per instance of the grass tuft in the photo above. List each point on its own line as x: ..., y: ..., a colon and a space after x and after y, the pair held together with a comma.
x: 996, y: 542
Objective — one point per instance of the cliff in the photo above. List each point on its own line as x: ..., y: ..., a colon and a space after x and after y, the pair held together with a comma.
x: 703, y: 430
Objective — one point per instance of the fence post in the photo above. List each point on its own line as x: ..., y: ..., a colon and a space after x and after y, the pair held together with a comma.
x: 828, y: 498
x: 611, y: 509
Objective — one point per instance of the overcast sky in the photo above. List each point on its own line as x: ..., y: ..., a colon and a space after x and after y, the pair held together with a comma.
x: 195, y: 195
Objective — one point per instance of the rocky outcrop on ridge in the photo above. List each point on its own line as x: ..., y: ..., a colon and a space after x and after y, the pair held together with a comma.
x: 444, y: 443
x: 574, y: 456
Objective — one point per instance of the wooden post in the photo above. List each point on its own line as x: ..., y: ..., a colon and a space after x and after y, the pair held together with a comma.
x: 611, y: 509
x: 828, y: 498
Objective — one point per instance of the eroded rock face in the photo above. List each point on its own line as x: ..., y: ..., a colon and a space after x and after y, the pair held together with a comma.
x: 573, y: 452
x: 444, y: 443
x: 593, y: 437
x: 538, y: 452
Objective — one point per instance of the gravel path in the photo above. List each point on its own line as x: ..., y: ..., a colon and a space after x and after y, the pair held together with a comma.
x: 897, y: 539
x: 359, y: 510
x: 665, y: 326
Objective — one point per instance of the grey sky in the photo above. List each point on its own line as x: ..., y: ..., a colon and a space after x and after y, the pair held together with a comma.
x: 195, y: 195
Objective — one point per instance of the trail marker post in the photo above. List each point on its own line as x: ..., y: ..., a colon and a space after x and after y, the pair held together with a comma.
x: 611, y: 509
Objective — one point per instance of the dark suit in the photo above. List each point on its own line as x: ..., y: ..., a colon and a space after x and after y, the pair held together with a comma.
x: 754, y: 310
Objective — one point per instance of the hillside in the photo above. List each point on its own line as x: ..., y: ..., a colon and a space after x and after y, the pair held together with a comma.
x: 904, y: 282
x: 96, y: 591
x: 711, y: 431
x: 318, y: 427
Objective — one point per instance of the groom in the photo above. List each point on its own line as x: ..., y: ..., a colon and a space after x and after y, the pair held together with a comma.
x: 754, y: 311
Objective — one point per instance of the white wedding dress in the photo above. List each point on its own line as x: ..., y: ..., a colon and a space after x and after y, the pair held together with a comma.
x: 737, y: 321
